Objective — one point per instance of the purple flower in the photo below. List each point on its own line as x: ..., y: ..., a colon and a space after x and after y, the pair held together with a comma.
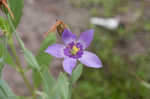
x: 74, y: 50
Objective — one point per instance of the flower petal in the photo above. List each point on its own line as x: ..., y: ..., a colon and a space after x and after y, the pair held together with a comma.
x: 55, y: 50
x: 86, y: 37
x: 69, y: 64
x: 68, y: 36
x: 90, y: 60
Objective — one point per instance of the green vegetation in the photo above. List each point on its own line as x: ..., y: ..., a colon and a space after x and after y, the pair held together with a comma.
x: 125, y: 53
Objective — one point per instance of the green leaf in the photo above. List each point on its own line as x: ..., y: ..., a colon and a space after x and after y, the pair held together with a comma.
x: 2, y: 94
x: 42, y: 95
x: 49, y: 83
x: 5, y: 57
x: 17, y: 9
x: 42, y: 57
x: 59, y: 90
x: 37, y: 80
x: 4, y: 25
x: 22, y: 97
x: 2, y: 56
x: 5, y: 91
x: 76, y: 73
x: 14, y: 97
x: 8, y: 57
x: 5, y: 88
x: 47, y: 80
x: 1, y: 65
x: 63, y: 86
x: 30, y: 58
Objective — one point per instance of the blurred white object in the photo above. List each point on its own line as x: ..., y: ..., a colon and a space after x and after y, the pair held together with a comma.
x: 109, y: 23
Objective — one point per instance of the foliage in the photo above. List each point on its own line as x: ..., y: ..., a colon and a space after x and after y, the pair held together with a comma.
x: 51, y: 89
x: 125, y: 74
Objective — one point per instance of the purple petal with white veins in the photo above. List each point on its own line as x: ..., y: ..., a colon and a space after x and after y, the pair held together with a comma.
x: 90, y: 60
x: 68, y: 36
x: 69, y: 64
x: 55, y: 50
x: 86, y: 37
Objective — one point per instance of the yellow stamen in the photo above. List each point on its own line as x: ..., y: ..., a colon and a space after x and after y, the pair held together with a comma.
x: 74, y: 50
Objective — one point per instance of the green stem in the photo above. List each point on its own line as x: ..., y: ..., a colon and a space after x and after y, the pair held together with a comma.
x: 19, y: 65
x: 70, y: 89
x: 16, y: 34
x: 4, y: 50
x: 22, y: 73
x: 20, y: 69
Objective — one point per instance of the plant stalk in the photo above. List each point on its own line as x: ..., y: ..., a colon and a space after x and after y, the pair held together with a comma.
x: 21, y: 71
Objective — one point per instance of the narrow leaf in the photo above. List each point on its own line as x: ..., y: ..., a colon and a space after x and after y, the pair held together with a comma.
x: 30, y: 58
x: 5, y: 91
x: 4, y: 25
x: 76, y: 73
x: 63, y: 86
x: 49, y: 85
x: 37, y: 80
x: 8, y: 57
x: 42, y: 57
x: 17, y: 8
x: 48, y: 81
x: 13, y: 97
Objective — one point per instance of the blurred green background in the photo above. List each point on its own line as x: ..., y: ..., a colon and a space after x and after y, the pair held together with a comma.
x: 125, y: 52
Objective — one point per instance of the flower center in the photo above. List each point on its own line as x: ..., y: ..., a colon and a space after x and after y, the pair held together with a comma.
x: 73, y: 50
